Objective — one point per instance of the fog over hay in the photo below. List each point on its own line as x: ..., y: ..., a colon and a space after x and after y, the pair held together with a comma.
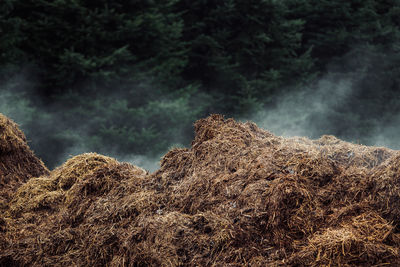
x: 332, y: 106
x: 306, y: 113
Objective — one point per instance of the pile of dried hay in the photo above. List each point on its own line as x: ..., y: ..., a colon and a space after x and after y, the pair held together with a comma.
x: 48, y: 191
x: 64, y: 212
x: 238, y: 196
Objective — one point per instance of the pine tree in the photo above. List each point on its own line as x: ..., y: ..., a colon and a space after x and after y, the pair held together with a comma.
x: 96, y: 42
x: 243, y: 51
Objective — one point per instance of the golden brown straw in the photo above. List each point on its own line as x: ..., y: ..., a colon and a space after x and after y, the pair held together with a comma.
x: 240, y: 196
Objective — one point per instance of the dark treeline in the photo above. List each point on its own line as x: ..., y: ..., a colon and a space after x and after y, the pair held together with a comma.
x: 130, y: 77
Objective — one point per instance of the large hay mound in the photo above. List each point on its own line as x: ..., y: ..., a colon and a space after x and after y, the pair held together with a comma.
x: 239, y: 196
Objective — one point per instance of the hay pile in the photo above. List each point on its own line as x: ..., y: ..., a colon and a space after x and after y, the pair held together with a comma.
x: 239, y: 196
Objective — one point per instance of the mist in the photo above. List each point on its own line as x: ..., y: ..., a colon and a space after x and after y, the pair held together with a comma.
x: 345, y: 102
x: 306, y: 112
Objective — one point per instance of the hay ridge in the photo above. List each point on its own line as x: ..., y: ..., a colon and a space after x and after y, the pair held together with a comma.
x: 239, y: 196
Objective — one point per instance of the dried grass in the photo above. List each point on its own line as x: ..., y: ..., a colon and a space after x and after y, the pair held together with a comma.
x: 239, y: 196
x: 17, y: 161
x: 364, y: 241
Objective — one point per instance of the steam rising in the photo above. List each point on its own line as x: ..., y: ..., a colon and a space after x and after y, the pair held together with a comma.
x: 306, y: 112
x: 345, y: 102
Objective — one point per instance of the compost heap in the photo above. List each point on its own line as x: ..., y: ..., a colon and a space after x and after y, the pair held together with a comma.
x: 239, y: 196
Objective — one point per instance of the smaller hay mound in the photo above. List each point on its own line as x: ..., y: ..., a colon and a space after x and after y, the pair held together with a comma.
x: 17, y: 161
x: 47, y: 192
x: 79, y: 166
x: 84, y: 224
x: 365, y: 240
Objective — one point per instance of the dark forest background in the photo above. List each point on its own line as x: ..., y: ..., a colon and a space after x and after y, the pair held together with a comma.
x: 127, y: 78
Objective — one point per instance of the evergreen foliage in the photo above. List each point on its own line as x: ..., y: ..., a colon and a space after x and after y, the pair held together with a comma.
x: 131, y: 76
